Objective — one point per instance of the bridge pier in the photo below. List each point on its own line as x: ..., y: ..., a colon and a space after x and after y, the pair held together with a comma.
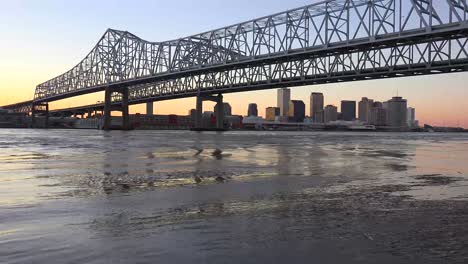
x: 149, y: 109
x: 219, y: 110
x: 109, y: 106
x: 39, y: 108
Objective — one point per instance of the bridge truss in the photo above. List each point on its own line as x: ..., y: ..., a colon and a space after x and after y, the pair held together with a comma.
x: 330, y: 41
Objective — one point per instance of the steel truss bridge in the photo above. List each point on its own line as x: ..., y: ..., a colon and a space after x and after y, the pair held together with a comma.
x: 327, y: 42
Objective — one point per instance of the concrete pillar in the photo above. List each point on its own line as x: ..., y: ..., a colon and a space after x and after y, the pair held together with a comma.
x: 46, y: 125
x: 149, y: 108
x: 125, y: 112
x: 220, y: 112
x: 199, y: 113
x: 107, y: 109
x: 33, y: 117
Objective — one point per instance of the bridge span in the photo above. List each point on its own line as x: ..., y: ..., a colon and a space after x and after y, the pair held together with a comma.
x: 327, y: 42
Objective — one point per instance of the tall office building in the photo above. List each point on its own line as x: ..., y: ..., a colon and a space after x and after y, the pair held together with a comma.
x: 192, y: 113
x: 252, y: 111
x: 316, y: 107
x: 348, y: 110
x: 271, y: 113
x: 226, y: 109
x: 411, y: 117
x: 397, y: 109
x: 330, y: 113
x: 296, y: 111
x: 284, y: 96
x: 365, y: 106
x: 378, y: 115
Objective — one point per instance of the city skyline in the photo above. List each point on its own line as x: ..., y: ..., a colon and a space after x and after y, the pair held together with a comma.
x: 25, y: 64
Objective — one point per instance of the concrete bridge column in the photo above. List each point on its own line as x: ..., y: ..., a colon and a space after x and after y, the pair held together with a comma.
x: 41, y: 108
x: 122, y: 107
x: 149, y: 108
x: 125, y: 112
x: 220, y: 112
x: 199, y: 113
x: 107, y: 109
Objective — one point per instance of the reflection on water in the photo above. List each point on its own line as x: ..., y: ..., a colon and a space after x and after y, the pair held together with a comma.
x: 90, y: 196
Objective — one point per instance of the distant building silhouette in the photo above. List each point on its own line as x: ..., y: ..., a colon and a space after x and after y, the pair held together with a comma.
x: 348, y: 110
x: 284, y: 96
x: 226, y: 109
x: 271, y: 113
x: 252, y: 111
x: 330, y: 113
x: 296, y: 111
x: 411, y: 118
x: 378, y: 115
x: 316, y: 107
x: 397, y: 109
x: 364, y: 109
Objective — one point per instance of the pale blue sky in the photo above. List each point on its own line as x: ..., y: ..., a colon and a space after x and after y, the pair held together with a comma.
x: 42, y: 39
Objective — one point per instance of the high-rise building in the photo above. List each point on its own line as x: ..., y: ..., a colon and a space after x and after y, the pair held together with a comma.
x: 411, y: 117
x: 316, y: 107
x: 296, y: 111
x: 271, y: 113
x: 396, y: 113
x: 284, y: 96
x: 330, y: 113
x: 226, y: 109
x: 192, y: 113
x: 348, y: 109
x: 365, y: 106
x: 378, y: 115
x: 252, y: 111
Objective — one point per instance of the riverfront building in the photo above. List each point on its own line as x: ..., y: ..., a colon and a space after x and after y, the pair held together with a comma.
x: 348, y: 110
x: 253, y: 110
x: 271, y: 113
x: 411, y: 118
x: 364, y: 109
x: 316, y: 107
x: 330, y: 114
x: 226, y: 109
x: 397, y: 113
x: 296, y: 111
x: 284, y: 96
x: 378, y: 115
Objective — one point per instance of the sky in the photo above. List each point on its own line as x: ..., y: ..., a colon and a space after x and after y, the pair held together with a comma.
x: 42, y: 39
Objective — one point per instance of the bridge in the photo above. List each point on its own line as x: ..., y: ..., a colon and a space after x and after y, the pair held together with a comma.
x: 327, y: 42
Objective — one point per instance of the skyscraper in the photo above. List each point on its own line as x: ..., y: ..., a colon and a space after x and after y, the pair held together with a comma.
x: 330, y: 113
x: 411, y: 117
x: 365, y: 106
x: 252, y: 111
x: 226, y: 108
x: 348, y: 109
x: 396, y: 113
x: 316, y: 107
x: 271, y: 113
x: 284, y: 96
x: 296, y: 111
x: 378, y: 115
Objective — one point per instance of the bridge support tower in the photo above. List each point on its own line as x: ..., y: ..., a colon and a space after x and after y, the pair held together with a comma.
x: 39, y: 109
x: 219, y: 110
x: 121, y: 106
x: 149, y: 109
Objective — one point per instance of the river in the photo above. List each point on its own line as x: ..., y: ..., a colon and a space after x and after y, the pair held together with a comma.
x: 86, y: 196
